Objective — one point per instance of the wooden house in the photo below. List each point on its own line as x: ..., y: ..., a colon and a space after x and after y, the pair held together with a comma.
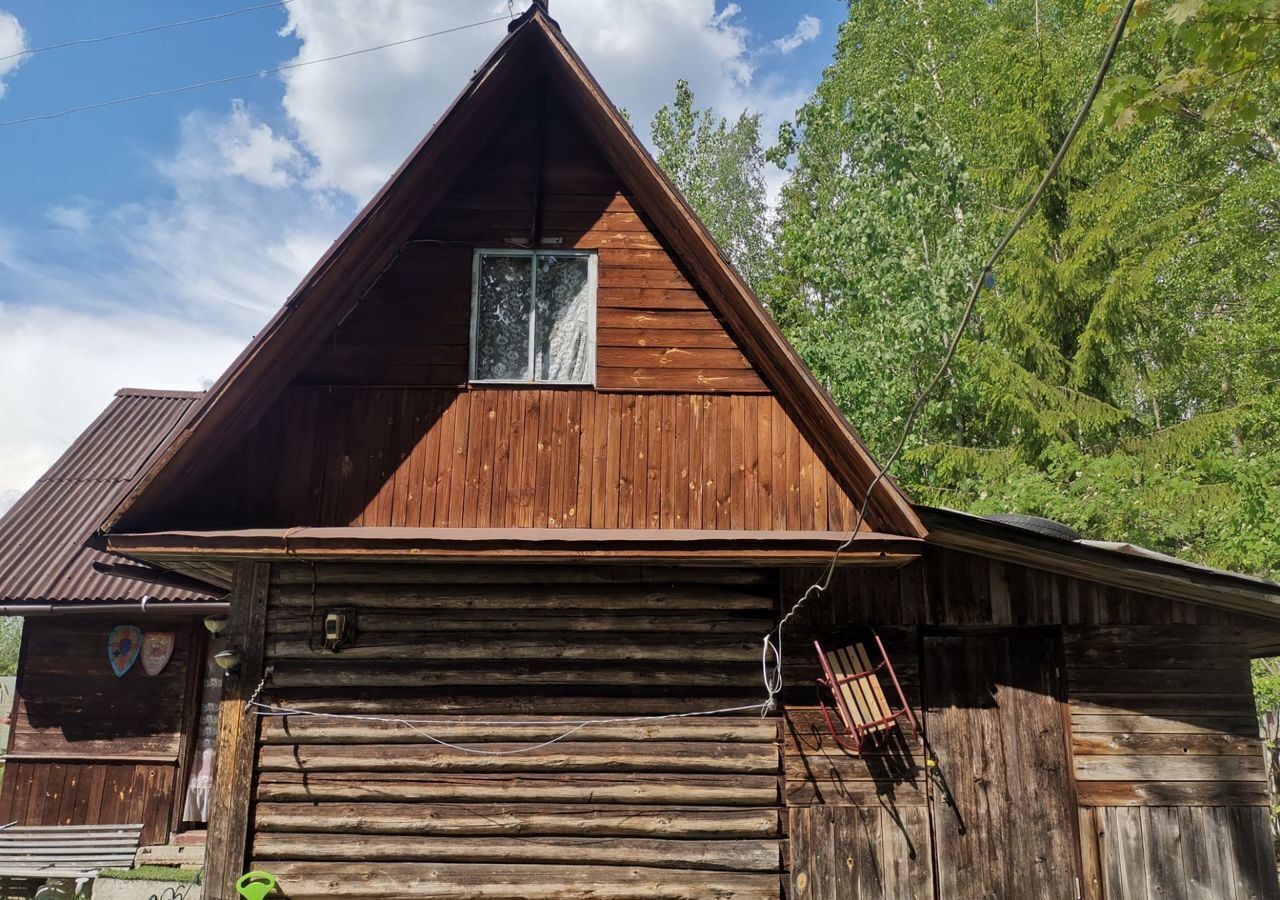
x: 523, y: 453
x: 88, y: 747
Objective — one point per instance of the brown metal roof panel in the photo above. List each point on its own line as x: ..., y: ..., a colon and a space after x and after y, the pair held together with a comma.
x: 43, y: 557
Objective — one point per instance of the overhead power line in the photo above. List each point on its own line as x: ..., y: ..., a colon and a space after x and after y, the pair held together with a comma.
x: 231, y: 78
x: 773, y: 640
x: 150, y: 28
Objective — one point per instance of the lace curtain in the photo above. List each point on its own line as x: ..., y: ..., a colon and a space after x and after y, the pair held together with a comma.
x: 560, y: 316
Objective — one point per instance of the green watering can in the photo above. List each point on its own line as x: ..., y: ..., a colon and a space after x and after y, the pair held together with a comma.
x: 256, y: 885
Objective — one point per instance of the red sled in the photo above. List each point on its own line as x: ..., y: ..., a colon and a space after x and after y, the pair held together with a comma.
x: 862, y: 707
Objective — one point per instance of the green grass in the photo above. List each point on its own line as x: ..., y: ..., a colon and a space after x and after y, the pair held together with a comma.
x: 153, y: 873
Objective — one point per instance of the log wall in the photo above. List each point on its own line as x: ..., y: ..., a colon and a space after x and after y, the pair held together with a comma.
x: 1155, y: 766
x: 88, y: 748
x: 501, y: 661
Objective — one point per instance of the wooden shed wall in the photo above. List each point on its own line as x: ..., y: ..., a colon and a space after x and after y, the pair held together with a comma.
x: 655, y: 809
x: 1167, y: 767
x: 88, y: 748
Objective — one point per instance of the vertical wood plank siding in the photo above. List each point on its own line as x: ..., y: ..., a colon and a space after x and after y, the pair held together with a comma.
x: 655, y: 329
x: 673, y: 809
x: 89, y: 748
x: 527, y: 458
x: 1163, y: 737
x: 90, y: 792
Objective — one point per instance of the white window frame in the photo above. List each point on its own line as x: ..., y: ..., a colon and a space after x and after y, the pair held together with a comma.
x: 592, y: 284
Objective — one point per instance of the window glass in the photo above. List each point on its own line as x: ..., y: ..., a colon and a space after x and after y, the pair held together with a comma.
x: 562, y: 334
x: 503, y: 307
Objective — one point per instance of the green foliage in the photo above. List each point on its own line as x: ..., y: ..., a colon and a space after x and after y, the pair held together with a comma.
x: 10, y: 644
x: 1266, y: 684
x: 153, y: 873
x: 1216, y: 61
x: 1122, y: 372
x: 720, y: 169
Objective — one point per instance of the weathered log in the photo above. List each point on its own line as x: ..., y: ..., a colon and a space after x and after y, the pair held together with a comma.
x: 438, y: 573
x: 522, y: 597
x: 705, y: 855
x: 528, y: 646
x: 411, y: 881
x: 310, y: 730
x: 519, y: 819
x: 421, y: 701
x: 298, y: 621
x: 640, y: 788
x: 336, y: 674
x: 649, y: 756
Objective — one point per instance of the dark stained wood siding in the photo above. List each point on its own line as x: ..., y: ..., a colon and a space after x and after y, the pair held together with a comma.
x: 90, y: 792
x: 89, y: 748
x: 1191, y: 852
x: 1163, y: 716
x: 1166, y: 761
x: 498, y: 660
x: 656, y: 330
x: 497, y: 457
x: 994, y: 719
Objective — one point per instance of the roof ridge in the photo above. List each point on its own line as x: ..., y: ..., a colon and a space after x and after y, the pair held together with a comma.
x: 159, y: 393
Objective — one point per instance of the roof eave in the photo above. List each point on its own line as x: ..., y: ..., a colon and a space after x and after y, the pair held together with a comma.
x: 1225, y: 590
x: 771, y: 548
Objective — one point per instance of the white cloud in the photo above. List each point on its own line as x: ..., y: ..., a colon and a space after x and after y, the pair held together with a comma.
x: 252, y: 150
x: 62, y: 367
x: 71, y: 217
x: 164, y: 293
x: 360, y: 117
x: 156, y: 295
x: 13, y: 40
x: 807, y: 29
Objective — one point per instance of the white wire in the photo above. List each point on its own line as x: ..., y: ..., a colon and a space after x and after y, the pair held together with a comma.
x: 771, y: 659
x: 414, y: 724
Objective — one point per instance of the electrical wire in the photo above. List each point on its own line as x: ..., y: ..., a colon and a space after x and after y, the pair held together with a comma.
x: 771, y: 654
x: 150, y: 28
x: 415, y: 725
x: 772, y: 650
x: 232, y: 78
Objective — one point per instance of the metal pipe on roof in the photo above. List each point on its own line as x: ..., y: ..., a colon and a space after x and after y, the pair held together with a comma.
x: 155, y: 607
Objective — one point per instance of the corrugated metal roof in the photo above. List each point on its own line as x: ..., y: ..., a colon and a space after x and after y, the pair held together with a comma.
x: 43, y: 557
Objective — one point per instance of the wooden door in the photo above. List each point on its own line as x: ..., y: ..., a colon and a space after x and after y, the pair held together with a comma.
x: 1003, y: 825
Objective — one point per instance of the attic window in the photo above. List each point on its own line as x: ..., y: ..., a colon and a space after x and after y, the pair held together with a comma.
x: 533, y: 317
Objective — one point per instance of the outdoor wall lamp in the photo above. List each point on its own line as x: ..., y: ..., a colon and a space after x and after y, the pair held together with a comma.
x: 215, y: 625
x: 228, y: 661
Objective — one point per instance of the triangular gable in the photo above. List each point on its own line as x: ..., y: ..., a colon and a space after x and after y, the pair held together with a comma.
x: 371, y: 244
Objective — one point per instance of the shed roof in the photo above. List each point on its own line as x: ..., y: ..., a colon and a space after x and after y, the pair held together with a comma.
x: 1120, y: 564
x: 43, y: 557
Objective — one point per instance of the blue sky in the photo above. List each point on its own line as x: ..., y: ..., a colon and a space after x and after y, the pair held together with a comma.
x: 144, y: 243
